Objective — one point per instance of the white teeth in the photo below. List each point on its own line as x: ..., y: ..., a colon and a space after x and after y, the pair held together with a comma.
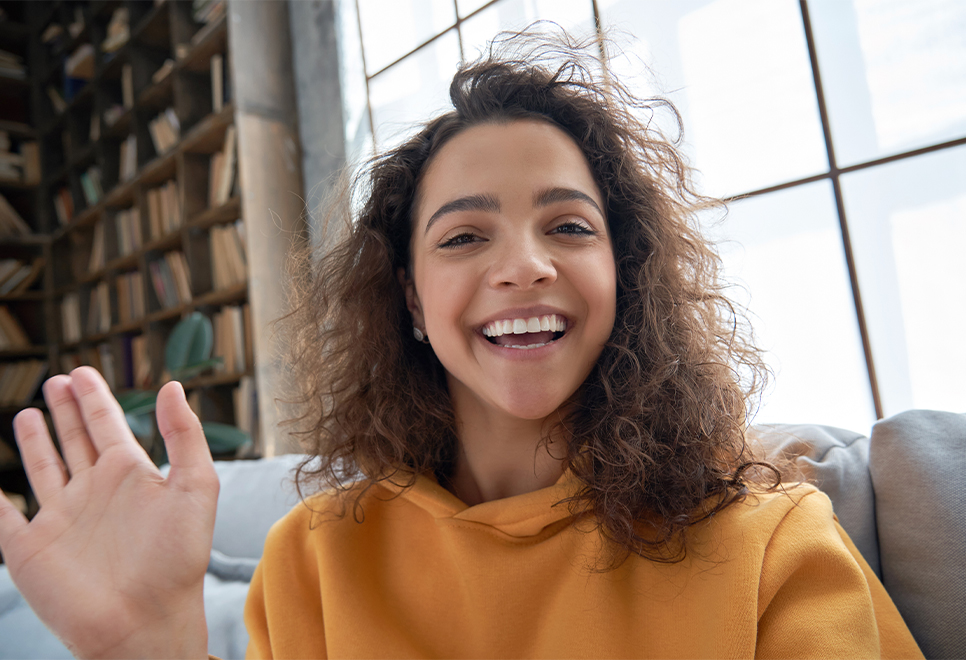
x: 522, y: 326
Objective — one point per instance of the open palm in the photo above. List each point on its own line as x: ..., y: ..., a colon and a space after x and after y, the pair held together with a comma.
x: 114, y: 561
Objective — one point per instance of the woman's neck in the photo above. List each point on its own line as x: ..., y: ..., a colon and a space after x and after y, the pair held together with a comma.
x: 502, y: 456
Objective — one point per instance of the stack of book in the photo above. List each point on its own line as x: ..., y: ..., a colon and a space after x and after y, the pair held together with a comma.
x: 164, y: 210
x: 221, y: 173
x: 165, y: 130
x: 12, y: 334
x: 12, y: 66
x: 11, y: 224
x: 228, y: 262
x: 19, y: 381
x: 70, y: 317
x: 171, y: 279
x: 118, y: 30
x: 129, y: 158
x: 207, y: 11
x: 128, y: 224
x: 130, y: 297
x: 100, y: 358
x: 78, y: 70
x: 64, y: 205
x: 91, y: 184
x: 99, y: 310
x: 17, y: 275
x: 232, y: 341
x: 20, y: 164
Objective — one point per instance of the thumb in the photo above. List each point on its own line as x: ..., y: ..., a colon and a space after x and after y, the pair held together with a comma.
x: 183, y: 436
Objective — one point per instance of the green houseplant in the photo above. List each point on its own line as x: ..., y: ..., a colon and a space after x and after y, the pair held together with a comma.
x: 187, y: 354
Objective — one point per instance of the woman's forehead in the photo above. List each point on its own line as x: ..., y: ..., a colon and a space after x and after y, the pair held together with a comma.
x: 498, y: 160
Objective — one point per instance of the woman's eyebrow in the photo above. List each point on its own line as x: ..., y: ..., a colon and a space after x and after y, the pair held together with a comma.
x: 483, y: 202
x: 558, y: 194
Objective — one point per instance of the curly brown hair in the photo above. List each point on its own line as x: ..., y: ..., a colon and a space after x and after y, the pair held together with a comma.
x: 656, y: 437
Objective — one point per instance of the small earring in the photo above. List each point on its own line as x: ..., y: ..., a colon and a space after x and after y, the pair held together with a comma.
x: 418, y: 334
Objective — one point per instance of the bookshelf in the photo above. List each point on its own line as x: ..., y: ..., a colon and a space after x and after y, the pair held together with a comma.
x: 135, y: 217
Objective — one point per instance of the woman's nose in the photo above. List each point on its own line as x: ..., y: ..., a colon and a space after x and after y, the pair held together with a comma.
x: 522, y: 262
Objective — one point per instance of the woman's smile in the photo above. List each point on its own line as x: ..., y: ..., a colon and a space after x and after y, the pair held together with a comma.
x: 513, y: 275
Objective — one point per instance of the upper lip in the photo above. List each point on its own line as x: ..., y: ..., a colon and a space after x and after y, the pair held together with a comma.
x: 524, y: 313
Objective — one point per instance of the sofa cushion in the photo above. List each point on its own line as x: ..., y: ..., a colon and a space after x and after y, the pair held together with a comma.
x: 837, y: 462
x: 918, y: 466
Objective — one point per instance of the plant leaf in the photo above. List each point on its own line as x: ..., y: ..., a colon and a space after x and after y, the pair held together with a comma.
x: 190, y: 342
x: 141, y: 425
x: 189, y: 371
x: 223, y: 438
x: 138, y: 402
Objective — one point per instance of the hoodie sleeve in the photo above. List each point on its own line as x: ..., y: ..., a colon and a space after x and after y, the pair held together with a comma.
x: 817, y: 596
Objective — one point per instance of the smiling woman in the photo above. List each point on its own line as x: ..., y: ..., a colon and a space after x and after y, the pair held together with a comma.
x: 518, y: 372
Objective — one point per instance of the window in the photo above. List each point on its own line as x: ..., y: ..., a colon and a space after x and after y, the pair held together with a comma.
x: 837, y: 128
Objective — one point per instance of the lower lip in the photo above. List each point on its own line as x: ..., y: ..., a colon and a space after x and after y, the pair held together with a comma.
x: 523, y: 354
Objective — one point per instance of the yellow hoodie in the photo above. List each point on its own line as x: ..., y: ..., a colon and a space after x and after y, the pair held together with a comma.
x: 424, y: 575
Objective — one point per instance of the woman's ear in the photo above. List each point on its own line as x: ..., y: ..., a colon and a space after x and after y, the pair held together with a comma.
x: 412, y: 299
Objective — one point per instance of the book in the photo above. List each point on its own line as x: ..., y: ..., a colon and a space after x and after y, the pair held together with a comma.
x: 12, y: 334
x: 106, y: 356
x: 96, y: 261
x: 165, y: 130
x: 178, y: 266
x: 118, y: 30
x: 31, y: 168
x: 64, y: 206
x: 217, y: 83
x: 19, y: 381
x: 70, y: 317
x: 227, y: 173
x: 11, y: 224
x: 21, y: 280
x: 80, y: 63
x: 127, y: 86
x: 129, y: 158
x: 56, y: 100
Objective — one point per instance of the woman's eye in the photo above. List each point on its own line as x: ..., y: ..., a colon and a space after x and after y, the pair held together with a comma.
x: 574, y: 229
x: 459, y: 240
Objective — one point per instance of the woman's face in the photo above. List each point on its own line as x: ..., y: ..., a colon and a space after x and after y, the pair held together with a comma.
x: 513, y: 270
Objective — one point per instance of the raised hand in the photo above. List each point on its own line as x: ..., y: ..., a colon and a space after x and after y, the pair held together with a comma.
x: 114, y: 561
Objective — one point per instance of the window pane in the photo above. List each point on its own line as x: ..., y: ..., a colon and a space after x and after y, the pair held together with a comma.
x: 785, y: 248
x: 907, y: 221
x: 467, y: 7
x: 893, y: 73
x: 575, y: 16
x: 355, y: 104
x: 392, y: 28
x: 414, y: 90
x: 739, y: 72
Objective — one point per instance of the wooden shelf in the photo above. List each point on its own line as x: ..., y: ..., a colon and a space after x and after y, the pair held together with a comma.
x: 32, y: 351
x: 157, y: 33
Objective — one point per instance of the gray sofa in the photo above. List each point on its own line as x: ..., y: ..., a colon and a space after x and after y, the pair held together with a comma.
x: 900, y: 493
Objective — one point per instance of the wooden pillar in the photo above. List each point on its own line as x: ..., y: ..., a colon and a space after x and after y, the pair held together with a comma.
x: 271, y: 182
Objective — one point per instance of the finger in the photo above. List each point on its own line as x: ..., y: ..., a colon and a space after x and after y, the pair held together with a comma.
x: 45, y: 470
x: 12, y: 523
x: 183, y: 436
x: 102, y: 415
x: 79, y: 452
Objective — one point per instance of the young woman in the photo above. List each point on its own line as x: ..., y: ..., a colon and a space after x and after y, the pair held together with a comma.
x: 521, y: 352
